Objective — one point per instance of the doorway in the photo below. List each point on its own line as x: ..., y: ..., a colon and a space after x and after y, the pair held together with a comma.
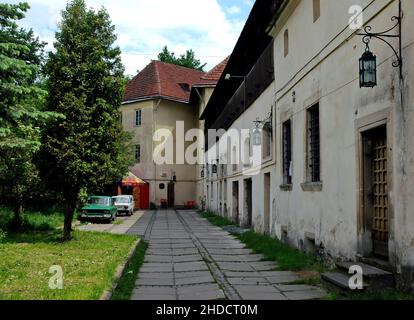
x: 235, y: 206
x: 171, y: 195
x: 248, y: 212
x: 266, y: 203
x: 375, y: 189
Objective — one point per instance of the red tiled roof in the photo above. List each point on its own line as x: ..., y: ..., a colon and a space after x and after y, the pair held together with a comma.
x: 214, y: 74
x: 163, y: 80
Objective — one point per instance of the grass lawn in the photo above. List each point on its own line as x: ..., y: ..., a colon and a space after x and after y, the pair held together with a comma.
x: 287, y: 257
x: 216, y: 220
x: 127, y: 282
x: 88, y: 262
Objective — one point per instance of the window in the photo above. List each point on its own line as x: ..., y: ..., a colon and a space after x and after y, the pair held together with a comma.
x: 287, y: 152
x: 234, y: 159
x: 162, y: 186
x: 267, y: 142
x: 138, y: 118
x: 247, y: 152
x: 313, y: 144
x: 138, y: 153
x: 286, y: 42
x: 316, y: 10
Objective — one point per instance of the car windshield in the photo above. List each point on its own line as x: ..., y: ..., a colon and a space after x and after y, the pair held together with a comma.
x: 122, y: 200
x: 99, y: 201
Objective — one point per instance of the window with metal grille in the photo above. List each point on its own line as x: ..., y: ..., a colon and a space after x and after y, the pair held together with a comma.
x: 313, y: 135
x: 138, y: 153
x: 138, y: 118
x: 287, y: 152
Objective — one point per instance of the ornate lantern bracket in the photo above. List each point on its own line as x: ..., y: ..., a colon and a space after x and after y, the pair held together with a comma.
x: 368, y: 35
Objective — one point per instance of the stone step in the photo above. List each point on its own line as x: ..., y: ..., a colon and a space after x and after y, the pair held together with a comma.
x: 375, y: 279
x: 375, y: 262
x: 368, y: 270
x: 339, y: 280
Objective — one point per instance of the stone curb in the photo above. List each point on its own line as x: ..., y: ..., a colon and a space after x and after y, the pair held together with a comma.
x: 107, y: 294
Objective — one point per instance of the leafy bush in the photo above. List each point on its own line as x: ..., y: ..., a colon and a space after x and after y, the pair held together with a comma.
x: 3, y: 235
x: 32, y: 221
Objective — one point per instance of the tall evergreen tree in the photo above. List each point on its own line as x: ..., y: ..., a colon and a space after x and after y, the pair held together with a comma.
x: 22, y: 114
x: 88, y: 149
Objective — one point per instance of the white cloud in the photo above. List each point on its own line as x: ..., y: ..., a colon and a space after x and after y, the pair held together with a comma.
x: 234, y: 10
x: 145, y: 26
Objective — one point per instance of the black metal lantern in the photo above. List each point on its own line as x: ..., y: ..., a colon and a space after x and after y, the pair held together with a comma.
x: 214, y: 168
x: 257, y: 137
x: 367, y: 70
x: 202, y: 173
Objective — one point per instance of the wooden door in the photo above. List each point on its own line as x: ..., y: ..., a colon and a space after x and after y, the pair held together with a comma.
x: 380, y: 223
x: 376, y: 190
x: 171, y: 195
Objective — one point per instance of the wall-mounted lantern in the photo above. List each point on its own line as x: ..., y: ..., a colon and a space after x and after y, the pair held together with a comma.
x: 214, y: 168
x: 202, y: 174
x: 367, y: 70
x: 257, y: 135
x: 266, y: 124
x: 368, y: 61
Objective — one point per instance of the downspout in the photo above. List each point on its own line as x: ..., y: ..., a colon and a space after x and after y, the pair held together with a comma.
x: 152, y: 149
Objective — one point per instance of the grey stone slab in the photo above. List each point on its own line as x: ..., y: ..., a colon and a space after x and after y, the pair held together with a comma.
x: 256, y: 289
x: 157, y: 246
x: 198, y: 288
x: 248, y: 281
x: 305, y: 295
x: 276, y: 273
x: 283, y: 279
x: 219, y: 251
x: 294, y: 287
x: 204, y: 295
x: 239, y: 274
x: 156, y: 275
x: 183, y: 246
x: 263, y: 296
x: 237, y: 258
x: 263, y: 266
x: 154, y: 282
x: 235, y: 266
x: 181, y: 275
x: 156, y: 258
x: 166, y: 268
x: 185, y: 251
x: 151, y: 290
x: 194, y: 280
x: 188, y: 258
x: 190, y: 266
x: 160, y: 252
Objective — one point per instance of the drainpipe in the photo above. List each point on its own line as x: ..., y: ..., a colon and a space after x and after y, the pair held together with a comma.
x: 152, y: 149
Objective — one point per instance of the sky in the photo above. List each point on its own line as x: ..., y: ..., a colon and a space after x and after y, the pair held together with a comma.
x: 209, y: 27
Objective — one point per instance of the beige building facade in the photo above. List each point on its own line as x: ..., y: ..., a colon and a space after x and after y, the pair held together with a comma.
x: 337, y: 176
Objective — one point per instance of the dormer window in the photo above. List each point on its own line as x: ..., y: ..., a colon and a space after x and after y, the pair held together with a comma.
x: 185, y: 87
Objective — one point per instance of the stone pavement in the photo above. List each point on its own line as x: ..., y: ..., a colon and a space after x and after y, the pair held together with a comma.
x: 190, y: 259
x: 121, y: 225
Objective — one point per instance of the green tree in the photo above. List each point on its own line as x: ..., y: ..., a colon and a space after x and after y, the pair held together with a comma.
x: 88, y: 149
x: 22, y: 114
x: 187, y: 60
